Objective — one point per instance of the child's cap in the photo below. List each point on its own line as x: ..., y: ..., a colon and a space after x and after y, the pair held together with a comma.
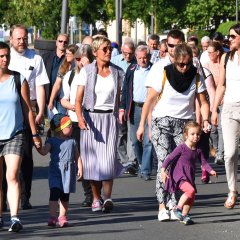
x: 59, y: 122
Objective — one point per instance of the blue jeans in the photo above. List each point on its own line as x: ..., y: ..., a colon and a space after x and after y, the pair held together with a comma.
x: 143, y: 150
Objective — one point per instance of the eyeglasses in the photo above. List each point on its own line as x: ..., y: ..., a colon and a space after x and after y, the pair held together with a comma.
x: 78, y: 59
x: 25, y: 39
x: 61, y: 41
x: 231, y: 36
x: 182, y: 65
x: 127, y: 53
x: 171, y: 45
x: 211, y: 52
x: 105, y: 49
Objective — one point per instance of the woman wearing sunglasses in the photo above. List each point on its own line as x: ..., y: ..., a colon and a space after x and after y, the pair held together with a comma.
x: 228, y: 86
x: 67, y: 64
x: 178, y: 89
x: 96, y: 106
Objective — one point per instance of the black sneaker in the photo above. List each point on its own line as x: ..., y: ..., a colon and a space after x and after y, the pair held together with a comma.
x: 1, y: 223
x: 15, y: 225
x: 131, y: 169
x: 87, y: 202
x: 26, y: 205
x: 219, y: 161
x: 187, y: 220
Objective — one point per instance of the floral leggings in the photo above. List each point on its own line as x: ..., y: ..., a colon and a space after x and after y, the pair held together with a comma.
x: 167, y: 133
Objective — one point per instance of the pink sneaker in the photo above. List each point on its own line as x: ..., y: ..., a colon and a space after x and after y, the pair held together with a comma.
x: 96, y: 206
x: 62, y: 221
x: 52, y: 221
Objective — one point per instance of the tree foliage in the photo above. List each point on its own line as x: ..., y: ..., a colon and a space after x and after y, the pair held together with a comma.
x: 192, y: 14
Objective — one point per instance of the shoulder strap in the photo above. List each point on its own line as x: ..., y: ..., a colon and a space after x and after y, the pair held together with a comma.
x: 226, y: 59
x: 71, y: 77
x: 204, y: 75
x: 163, y: 84
x: 16, y: 76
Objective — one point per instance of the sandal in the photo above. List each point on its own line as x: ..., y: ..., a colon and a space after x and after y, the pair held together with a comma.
x: 231, y: 200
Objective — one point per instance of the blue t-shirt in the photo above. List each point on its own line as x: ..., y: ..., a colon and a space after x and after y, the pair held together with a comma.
x: 11, y: 116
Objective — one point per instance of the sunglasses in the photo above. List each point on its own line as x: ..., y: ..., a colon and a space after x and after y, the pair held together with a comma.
x: 232, y: 36
x: 105, y: 49
x: 78, y: 59
x: 182, y: 65
x: 61, y: 41
x: 171, y: 45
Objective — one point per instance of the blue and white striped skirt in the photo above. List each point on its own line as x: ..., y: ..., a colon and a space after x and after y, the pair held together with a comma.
x: 98, y: 147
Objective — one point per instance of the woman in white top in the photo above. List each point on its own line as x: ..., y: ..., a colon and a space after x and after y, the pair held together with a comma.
x: 228, y: 86
x: 172, y: 111
x: 97, y: 103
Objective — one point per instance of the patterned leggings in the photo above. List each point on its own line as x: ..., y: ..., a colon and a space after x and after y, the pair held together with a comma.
x: 167, y: 133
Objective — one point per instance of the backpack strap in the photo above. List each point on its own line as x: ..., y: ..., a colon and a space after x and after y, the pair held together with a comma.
x: 71, y: 77
x: 17, y: 80
x: 163, y: 84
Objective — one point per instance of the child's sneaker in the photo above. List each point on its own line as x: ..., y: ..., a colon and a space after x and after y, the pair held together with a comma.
x: 163, y: 215
x: 187, y: 220
x: 177, y: 213
x: 52, y: 221
x: 15, y: 225
x: 107, y: 206
x: 96, y: 206
x: 62, y: 221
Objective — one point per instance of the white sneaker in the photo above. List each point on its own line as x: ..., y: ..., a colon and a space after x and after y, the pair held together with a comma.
x: 163, y: 215
x: 173, y: 215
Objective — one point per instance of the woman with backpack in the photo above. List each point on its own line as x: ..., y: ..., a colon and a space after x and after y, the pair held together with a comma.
x: 15, y: 113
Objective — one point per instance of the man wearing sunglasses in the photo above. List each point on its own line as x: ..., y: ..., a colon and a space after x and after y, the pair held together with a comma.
x: 52, y: 61
x: 31, y: 66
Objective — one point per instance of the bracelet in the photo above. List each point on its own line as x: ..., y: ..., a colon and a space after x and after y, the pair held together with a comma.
x: 35, y: 135
x: 206, y: 120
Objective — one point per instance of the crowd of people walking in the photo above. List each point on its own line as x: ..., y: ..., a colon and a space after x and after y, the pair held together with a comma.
x: 154, y: 108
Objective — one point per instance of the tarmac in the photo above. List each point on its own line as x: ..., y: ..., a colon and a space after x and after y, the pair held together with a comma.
x: 134, y: 215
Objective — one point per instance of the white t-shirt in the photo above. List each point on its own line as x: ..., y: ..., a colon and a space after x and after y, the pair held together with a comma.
x: 69, y: 93
x: 232, y: 80
x: 104, y: 90
x: 31, y: 66
x: 172, y: 103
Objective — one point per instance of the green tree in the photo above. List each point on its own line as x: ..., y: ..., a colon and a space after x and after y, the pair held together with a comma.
x: 44, y: 14
x: 202, y: 14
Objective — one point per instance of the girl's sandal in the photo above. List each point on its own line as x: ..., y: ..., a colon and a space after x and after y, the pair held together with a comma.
x: 231, y: 200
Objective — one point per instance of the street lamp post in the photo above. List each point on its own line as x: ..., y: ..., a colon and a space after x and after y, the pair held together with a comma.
x: 118, y: 14
x: 64, y: 19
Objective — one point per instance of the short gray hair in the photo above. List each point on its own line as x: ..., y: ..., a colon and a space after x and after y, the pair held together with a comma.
x: 205, y: 39
x: 141, y: 48
x: 129, y: 43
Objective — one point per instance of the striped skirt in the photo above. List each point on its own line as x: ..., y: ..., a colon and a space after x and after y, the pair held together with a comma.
x: 98, y: 147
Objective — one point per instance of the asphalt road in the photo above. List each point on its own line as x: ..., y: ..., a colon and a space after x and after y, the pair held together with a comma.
x: 134, y: 216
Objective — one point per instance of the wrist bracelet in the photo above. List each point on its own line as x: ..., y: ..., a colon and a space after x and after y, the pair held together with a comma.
x: 206, y: 120
x: 35, y: 135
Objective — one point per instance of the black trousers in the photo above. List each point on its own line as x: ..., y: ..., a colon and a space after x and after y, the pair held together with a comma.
x: 26, y: 172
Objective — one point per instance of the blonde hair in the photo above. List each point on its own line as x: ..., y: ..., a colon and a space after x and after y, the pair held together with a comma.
x: 188, y: 125
x: 98, y: 40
